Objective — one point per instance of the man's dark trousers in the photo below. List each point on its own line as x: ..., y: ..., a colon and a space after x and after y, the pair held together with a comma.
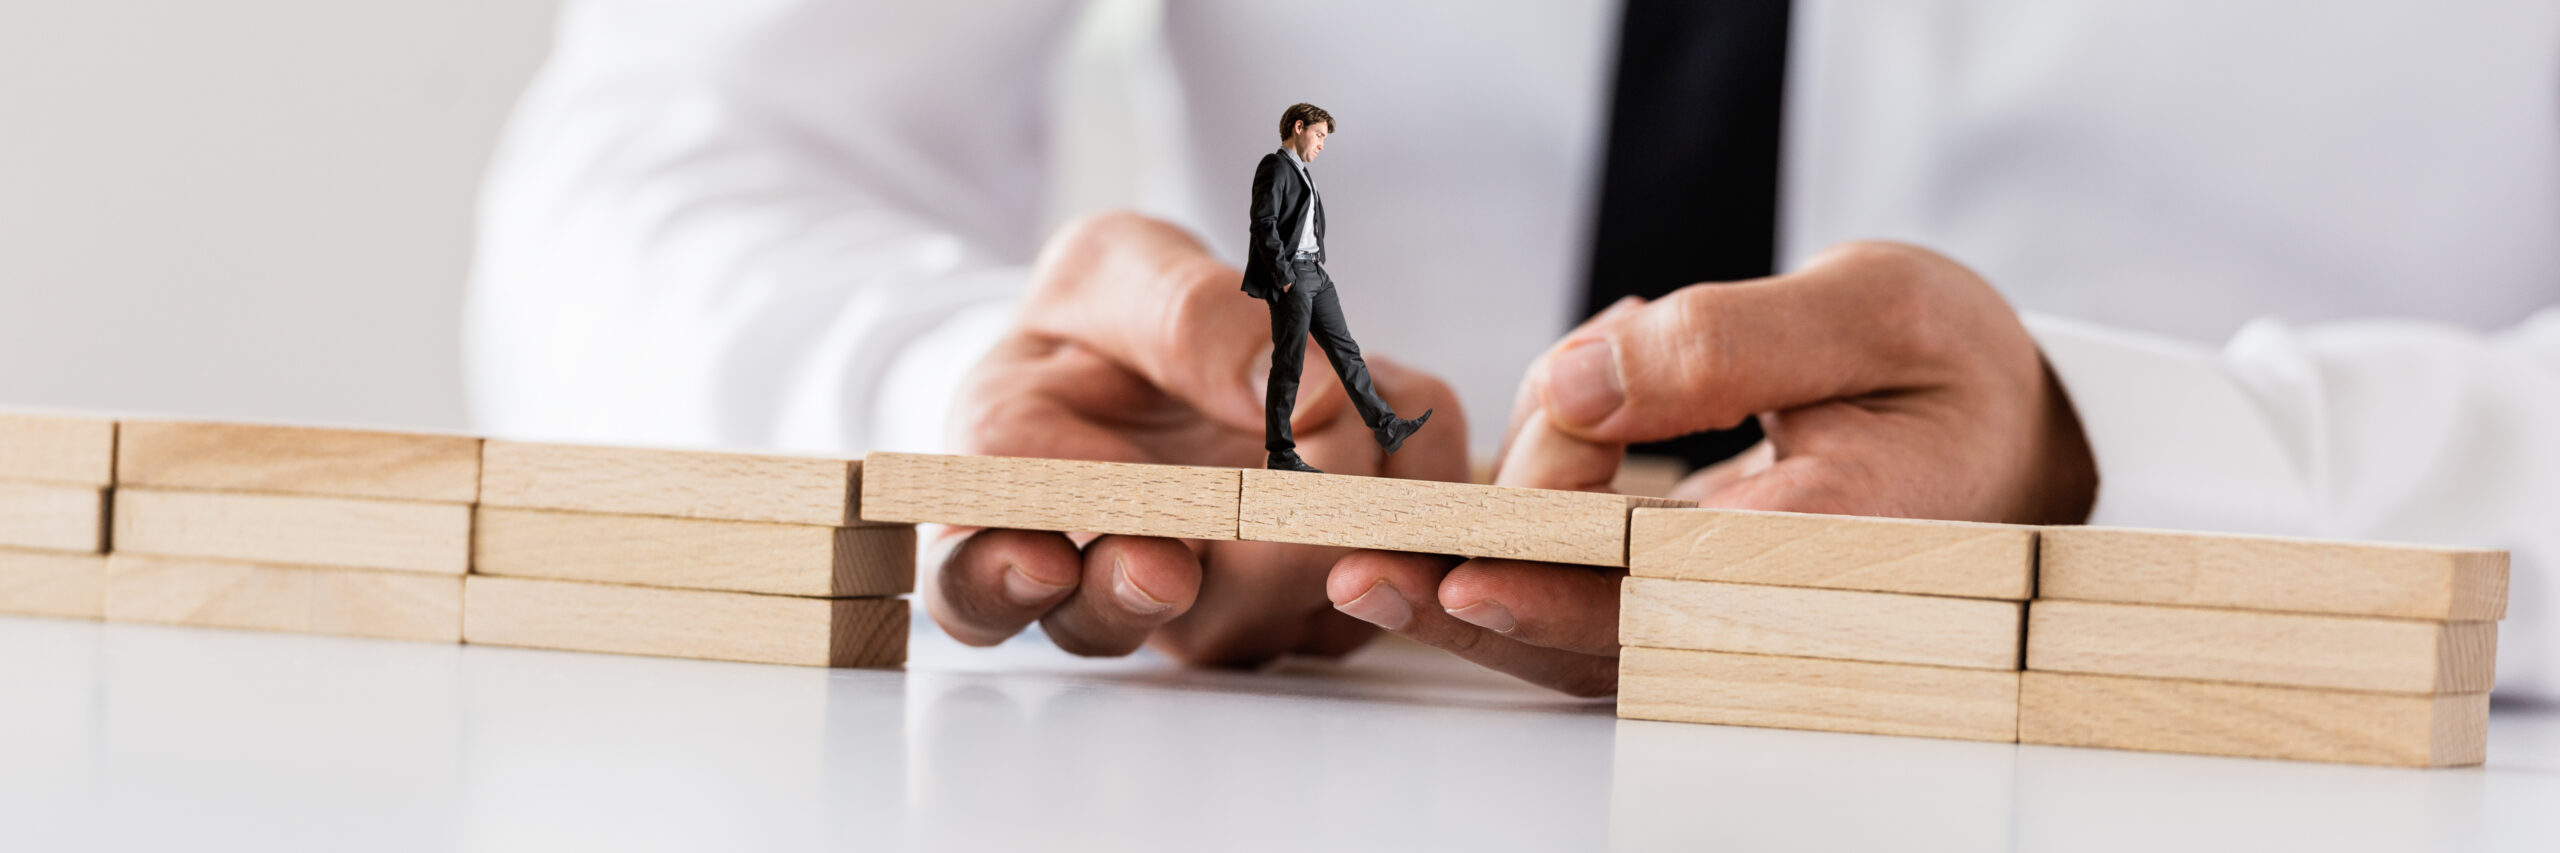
x: 1309, y: 306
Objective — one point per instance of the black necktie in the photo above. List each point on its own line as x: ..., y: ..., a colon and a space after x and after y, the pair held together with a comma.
x: 1689, y: 187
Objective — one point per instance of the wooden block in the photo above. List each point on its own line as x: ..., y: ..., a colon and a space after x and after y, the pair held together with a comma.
x: 2271, y: 573
x: 685, y: 623
x: 2073, y: 709
x: 53, y: 517
x: 682, y: 483
x: 299, y: 461
x: 1958, y: 558
x: 297, y: 599
x: 1827, y: 695
x: 2254, y: 647
x: 1464, y: 519
x: 1072, y: 495
x: 58, y: 449
x: 1645, y: 474
x: 355, y: 533
x: 739, y: 556
x: 49, y: 584
x: 1837, y: 624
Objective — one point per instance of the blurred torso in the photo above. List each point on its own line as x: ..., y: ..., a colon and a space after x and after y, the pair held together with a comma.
x: 2163, y: 168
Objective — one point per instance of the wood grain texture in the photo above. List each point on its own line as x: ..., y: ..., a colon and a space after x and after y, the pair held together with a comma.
x: 685, y: 623
x: 1826, y: 695
x: 71, y: 586
x: 299, y: 461
x: 681, y: 483
x: 53, y: 517
x: 357, y: 533
x: 58, y: 449
x: 1051, y: 494
x: 2271, y: 573
x: 295, y: 599
x: 1837, y: 624
x: 2073, y: 709
x: 689, y: 553
x: 1464, y: 519
x: 1958, y: 558
x: 2254, y: 647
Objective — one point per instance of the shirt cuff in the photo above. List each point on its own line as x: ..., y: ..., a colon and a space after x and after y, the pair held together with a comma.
x: 913, y: 411
x: 2179, y: 441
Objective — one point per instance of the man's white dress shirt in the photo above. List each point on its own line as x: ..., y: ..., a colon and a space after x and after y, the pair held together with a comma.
x: 1307, y: 220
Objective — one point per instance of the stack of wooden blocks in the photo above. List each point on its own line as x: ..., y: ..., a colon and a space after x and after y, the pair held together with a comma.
x: 1885, y: 626
x: 723, y: 556
x: 447, y: 538
x: 2134, y: 639
x: 275, y: 528
x: 2262, y: 646
x: 55, y: 475
x: 2083, y: 636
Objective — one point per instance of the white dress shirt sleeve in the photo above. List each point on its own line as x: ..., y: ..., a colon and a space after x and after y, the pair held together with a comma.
x: 2384, y: 430
x: 760, y: 223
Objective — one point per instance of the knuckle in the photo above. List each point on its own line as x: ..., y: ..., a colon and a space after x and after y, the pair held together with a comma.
x: 1695, y: 345
x: 1409, y: 387
x: 1096, y: 228
x: 1910, y: 327
x: 1084, y: 243
x: 1878, y: 254
x: 1914, y: 296
x: 1072, y: 248
x: 1432, y: 392
x: 1826, y: 485
x: 1696, y: 316
x: 1465, y: 641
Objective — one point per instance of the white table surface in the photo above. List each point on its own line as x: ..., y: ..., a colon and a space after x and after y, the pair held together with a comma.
x: 142, y: 737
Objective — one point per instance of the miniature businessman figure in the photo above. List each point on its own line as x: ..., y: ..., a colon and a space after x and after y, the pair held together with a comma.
x: 1286, y: 270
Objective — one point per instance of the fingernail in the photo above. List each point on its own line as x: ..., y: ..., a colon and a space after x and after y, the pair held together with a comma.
x: 1025, y: 589
x: 1380, y: 606
x: 1487, y: 615
x: 1137, y: 600
x: 1583, y: 385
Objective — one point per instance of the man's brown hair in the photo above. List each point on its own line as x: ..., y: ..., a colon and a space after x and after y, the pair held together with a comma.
x: 1309, y: 113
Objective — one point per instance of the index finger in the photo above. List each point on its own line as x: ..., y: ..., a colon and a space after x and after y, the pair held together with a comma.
x: 1155, y: 302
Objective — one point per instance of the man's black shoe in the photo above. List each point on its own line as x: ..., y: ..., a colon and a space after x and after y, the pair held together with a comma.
x: 1392, y: 435
x: 1290, y: 462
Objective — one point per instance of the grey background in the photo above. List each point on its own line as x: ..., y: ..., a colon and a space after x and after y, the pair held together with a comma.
x: 247, y: 209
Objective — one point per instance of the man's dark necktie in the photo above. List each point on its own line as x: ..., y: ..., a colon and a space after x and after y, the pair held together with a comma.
x: 1689, y: 187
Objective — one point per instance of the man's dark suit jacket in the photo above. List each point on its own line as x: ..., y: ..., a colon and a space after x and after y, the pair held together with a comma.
x: 1280, y: 199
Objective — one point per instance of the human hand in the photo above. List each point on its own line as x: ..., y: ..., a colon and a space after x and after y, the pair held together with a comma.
x: 1134, y: 345
x: 1890, y: 381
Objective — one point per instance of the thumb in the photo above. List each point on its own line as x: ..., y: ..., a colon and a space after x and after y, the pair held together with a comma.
x: 1709, y: 355
x: 1150, y: 298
